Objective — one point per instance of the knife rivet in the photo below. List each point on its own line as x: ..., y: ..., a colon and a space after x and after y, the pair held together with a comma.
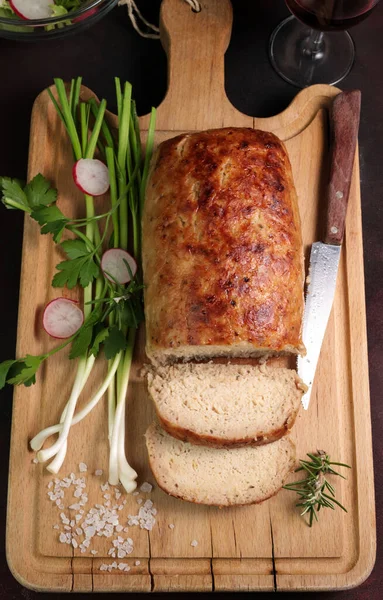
x: 334, y: 229
x: 339, y: 194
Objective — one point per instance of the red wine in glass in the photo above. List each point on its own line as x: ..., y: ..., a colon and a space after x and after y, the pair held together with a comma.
x: 313, y: 46
x: 331, y: 15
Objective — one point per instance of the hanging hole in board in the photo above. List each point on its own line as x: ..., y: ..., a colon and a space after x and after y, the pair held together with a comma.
x: 194, y: 5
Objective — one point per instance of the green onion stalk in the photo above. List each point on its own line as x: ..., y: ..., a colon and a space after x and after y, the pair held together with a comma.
x: 128, y: 159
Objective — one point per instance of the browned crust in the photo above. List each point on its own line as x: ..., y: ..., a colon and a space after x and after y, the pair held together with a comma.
x: 196, y: 501
x: 222, y: 244
x: 187, y: 435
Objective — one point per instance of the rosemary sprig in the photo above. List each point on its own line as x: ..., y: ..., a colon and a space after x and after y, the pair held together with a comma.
x: 315, y: 491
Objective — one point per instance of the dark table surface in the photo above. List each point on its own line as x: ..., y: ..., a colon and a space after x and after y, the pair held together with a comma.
x: 111, y: 48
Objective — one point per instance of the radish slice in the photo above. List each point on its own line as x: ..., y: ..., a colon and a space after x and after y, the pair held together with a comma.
x: 91, y: 176
x: 62, y: 318
x: 32, y: 9
x: 114, y: 267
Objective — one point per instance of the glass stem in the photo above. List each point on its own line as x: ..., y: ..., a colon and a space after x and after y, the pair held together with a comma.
x: 312, y: 45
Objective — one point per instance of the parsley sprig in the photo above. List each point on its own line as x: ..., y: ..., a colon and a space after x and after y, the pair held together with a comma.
x: 112, y: 311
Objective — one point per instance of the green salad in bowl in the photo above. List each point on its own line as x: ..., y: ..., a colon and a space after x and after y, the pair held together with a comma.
x: 40, y: 19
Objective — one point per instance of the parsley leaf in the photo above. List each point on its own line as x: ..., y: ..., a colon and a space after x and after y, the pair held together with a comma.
x: 74, y: 248
x: 114, y: 343
x: 56, y: 228
x: 46, y: 214
x: 12, y: 189
x: 4, y: 368
x: 51, y: 219
x: 39, y: 192
x: 24, y: 371
x: 88, y: 273
x: 82, y: 270
x: 82, y: 341
x: 98, y: 340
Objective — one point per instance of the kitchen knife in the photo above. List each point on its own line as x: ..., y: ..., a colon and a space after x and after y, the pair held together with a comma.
x: 324, y: 258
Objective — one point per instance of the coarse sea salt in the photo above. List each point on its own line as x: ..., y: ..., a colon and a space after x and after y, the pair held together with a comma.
x: 81, y: 529
x: 146, y: 487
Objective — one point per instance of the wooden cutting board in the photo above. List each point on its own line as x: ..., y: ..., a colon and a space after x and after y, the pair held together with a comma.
x: 263, y: 547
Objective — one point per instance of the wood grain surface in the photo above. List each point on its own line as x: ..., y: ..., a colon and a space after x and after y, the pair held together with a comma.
x: 248, y: 548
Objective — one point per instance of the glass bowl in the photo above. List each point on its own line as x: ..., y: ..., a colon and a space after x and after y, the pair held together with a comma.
x: 55, y: 27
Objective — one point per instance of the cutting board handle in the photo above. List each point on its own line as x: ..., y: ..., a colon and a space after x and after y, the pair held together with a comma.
x: 195, y: 44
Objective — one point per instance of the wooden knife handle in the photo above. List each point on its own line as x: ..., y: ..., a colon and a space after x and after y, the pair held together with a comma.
x: 344, y: 125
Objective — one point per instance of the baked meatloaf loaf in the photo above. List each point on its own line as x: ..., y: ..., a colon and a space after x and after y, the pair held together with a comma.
x: 222, y: 248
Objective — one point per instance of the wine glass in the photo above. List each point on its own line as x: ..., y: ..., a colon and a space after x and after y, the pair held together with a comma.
x: 314, y: 47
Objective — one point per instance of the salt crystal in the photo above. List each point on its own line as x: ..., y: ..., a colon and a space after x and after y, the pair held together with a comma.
x: 126, y: 529
x: 75, y: 506
x: 74, y: 543
x: 67, y: 528
x: 114, y: 565
x: 72, y: 523
x: 146, y: 487
x: 105, y: 487
x: 82, y: 467
x: 171, y: 525
x: 121, y: 553
x: 89, y: 531
x: 61, y: 507
x: 103, y: 567
x: 122, y: 566
x: 94, y: 552
x: 98, y: 472
x: 135, y: 493
x: 77, y: 493
x: 119, y: 528
x: 79, y: 531
x: 50, y: 484
x: 56, y: 527
x: 194, y: 543
x: 35, y: 461
x: 77, y: 517
x: 137, y: 563
x: 62, y: 538
x: 139, y: 500
x: 127, y: 568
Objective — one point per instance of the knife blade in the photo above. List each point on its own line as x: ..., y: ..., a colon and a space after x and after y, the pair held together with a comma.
x: 324, y: 257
